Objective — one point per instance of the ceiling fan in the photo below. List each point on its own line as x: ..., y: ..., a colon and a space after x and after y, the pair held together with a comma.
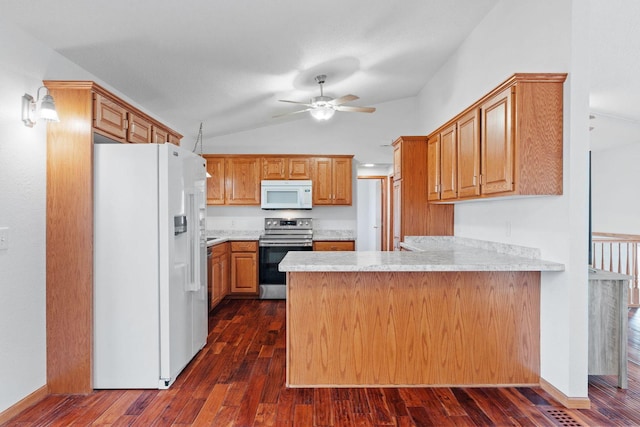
x: 324, y: 107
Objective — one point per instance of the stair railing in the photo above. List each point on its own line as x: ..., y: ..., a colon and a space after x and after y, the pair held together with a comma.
x: 618, y: 253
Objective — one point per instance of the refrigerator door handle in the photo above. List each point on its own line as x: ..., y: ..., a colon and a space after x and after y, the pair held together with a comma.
x: 193, y: 279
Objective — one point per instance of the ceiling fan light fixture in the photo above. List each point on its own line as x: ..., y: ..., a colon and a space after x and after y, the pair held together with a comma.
x: 322, y: 113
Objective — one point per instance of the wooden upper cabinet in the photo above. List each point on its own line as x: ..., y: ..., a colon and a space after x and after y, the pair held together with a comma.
x: 109, y: 116
x: 412, y: 214
x: 331, y: 178
x: 497, y: 144
x: 119, y: 121
x: 397, y: 162
x: 174, y: 139
x: 139, y: 130
x: 159, y: 135
x: 510, y: 142
x: 322, y: 181
x: 274, y: 168
x: 215, y: 184
x: 242, y: 180
x: 341, y: 181
x: 433, y: 167
x: 299, y: 168
x: 286, y: 168
x: 448, y: 163
x: 469, y: 154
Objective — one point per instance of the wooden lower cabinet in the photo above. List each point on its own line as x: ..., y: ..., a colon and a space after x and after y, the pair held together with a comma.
x: 459, y: 328
x: 334, y: 245
x: 219, y: 285
x: 244, y: 267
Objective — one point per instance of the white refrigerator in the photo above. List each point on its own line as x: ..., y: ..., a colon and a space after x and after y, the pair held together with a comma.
x: 150, y: 274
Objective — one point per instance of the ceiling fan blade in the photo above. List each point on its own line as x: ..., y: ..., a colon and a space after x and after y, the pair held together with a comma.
x: 343, y: 100
x: 351, y: 109
x: 293, y: 112
x: 295, y: 102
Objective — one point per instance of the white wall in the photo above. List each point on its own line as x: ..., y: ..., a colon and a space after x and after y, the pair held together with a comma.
x: 526, y: 36
x: 614, y: 185
x: 366, y: 136
x: 25, y: 63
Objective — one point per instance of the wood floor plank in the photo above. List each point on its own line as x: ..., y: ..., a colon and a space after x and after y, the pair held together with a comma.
x: 211, y: 405
x: 266, y: 415
x: 322, y: 410
x: 238, y: 380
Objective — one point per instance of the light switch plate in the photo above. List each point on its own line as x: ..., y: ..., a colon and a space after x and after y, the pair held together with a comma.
x: 4, y: 238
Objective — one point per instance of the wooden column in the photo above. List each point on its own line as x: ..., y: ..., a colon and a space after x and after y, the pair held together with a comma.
x: 70, y: 240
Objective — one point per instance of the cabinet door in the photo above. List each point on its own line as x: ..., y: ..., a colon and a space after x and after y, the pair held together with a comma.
x: 216, y: 279
x: 242, y: 181
x: 397, y: 162
x: 215, y: 184
x: 174, y: 139
x: 321, y: 181
x: 274, y: 168
x: 244, y: 272
x: 159, y: 135
x: 468, y: 155
x: 433, y: 168
x: 448, y: 163
x: 139, y: 130
x: 224, y: 273
x: 109, y: 116
x: 299, y: 168
x: 497, y: 144
x: 341, y: 181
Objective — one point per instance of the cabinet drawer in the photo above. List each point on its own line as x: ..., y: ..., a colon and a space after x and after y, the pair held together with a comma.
x: 250, y: 246
x: 348, y: 245
x: 219, y: 249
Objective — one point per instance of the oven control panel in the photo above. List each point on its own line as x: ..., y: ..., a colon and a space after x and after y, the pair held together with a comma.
x: 288, y: 224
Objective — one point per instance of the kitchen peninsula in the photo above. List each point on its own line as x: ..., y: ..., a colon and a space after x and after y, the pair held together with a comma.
x: 449, y: 311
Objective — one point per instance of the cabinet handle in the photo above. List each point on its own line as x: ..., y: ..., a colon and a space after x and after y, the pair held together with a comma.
x: 474, y: 180
x: 133, y: 128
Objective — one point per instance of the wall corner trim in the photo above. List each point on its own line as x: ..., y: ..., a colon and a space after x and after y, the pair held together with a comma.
x: 566, y: 401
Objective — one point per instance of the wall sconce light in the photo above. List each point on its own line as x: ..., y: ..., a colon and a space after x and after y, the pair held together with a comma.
x: 47, y: 111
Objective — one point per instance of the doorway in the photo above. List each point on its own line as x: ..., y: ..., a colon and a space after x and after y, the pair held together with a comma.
x: 372, y: 213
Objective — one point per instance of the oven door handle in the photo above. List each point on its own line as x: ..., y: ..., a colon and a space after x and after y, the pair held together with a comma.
x: 283, y: 244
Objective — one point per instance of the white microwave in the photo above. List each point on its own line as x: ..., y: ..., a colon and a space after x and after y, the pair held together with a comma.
x: 284, y: 194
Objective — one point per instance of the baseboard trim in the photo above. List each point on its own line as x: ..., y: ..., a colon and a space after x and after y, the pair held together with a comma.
x: 566, y: 401
x: 23, y: 404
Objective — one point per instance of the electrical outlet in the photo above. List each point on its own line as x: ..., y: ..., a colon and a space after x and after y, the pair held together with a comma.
x: 4, y: 238
x: 508, y: 229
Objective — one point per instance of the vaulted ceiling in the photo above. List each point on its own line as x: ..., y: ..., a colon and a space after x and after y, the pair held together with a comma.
x: 226, y: 63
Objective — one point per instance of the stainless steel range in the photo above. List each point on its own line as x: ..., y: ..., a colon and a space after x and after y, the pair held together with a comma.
x: 280, y: 236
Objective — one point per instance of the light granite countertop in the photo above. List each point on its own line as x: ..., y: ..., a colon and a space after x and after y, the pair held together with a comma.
x: 222, y: 236
x: 426, y: 254
x: 215, y: 237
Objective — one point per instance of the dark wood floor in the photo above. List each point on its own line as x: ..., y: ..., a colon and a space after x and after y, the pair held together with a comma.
x: 238, y: 380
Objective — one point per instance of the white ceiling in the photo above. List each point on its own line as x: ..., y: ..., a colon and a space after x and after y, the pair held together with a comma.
x: 615, y: 73
x: 227, y: 62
